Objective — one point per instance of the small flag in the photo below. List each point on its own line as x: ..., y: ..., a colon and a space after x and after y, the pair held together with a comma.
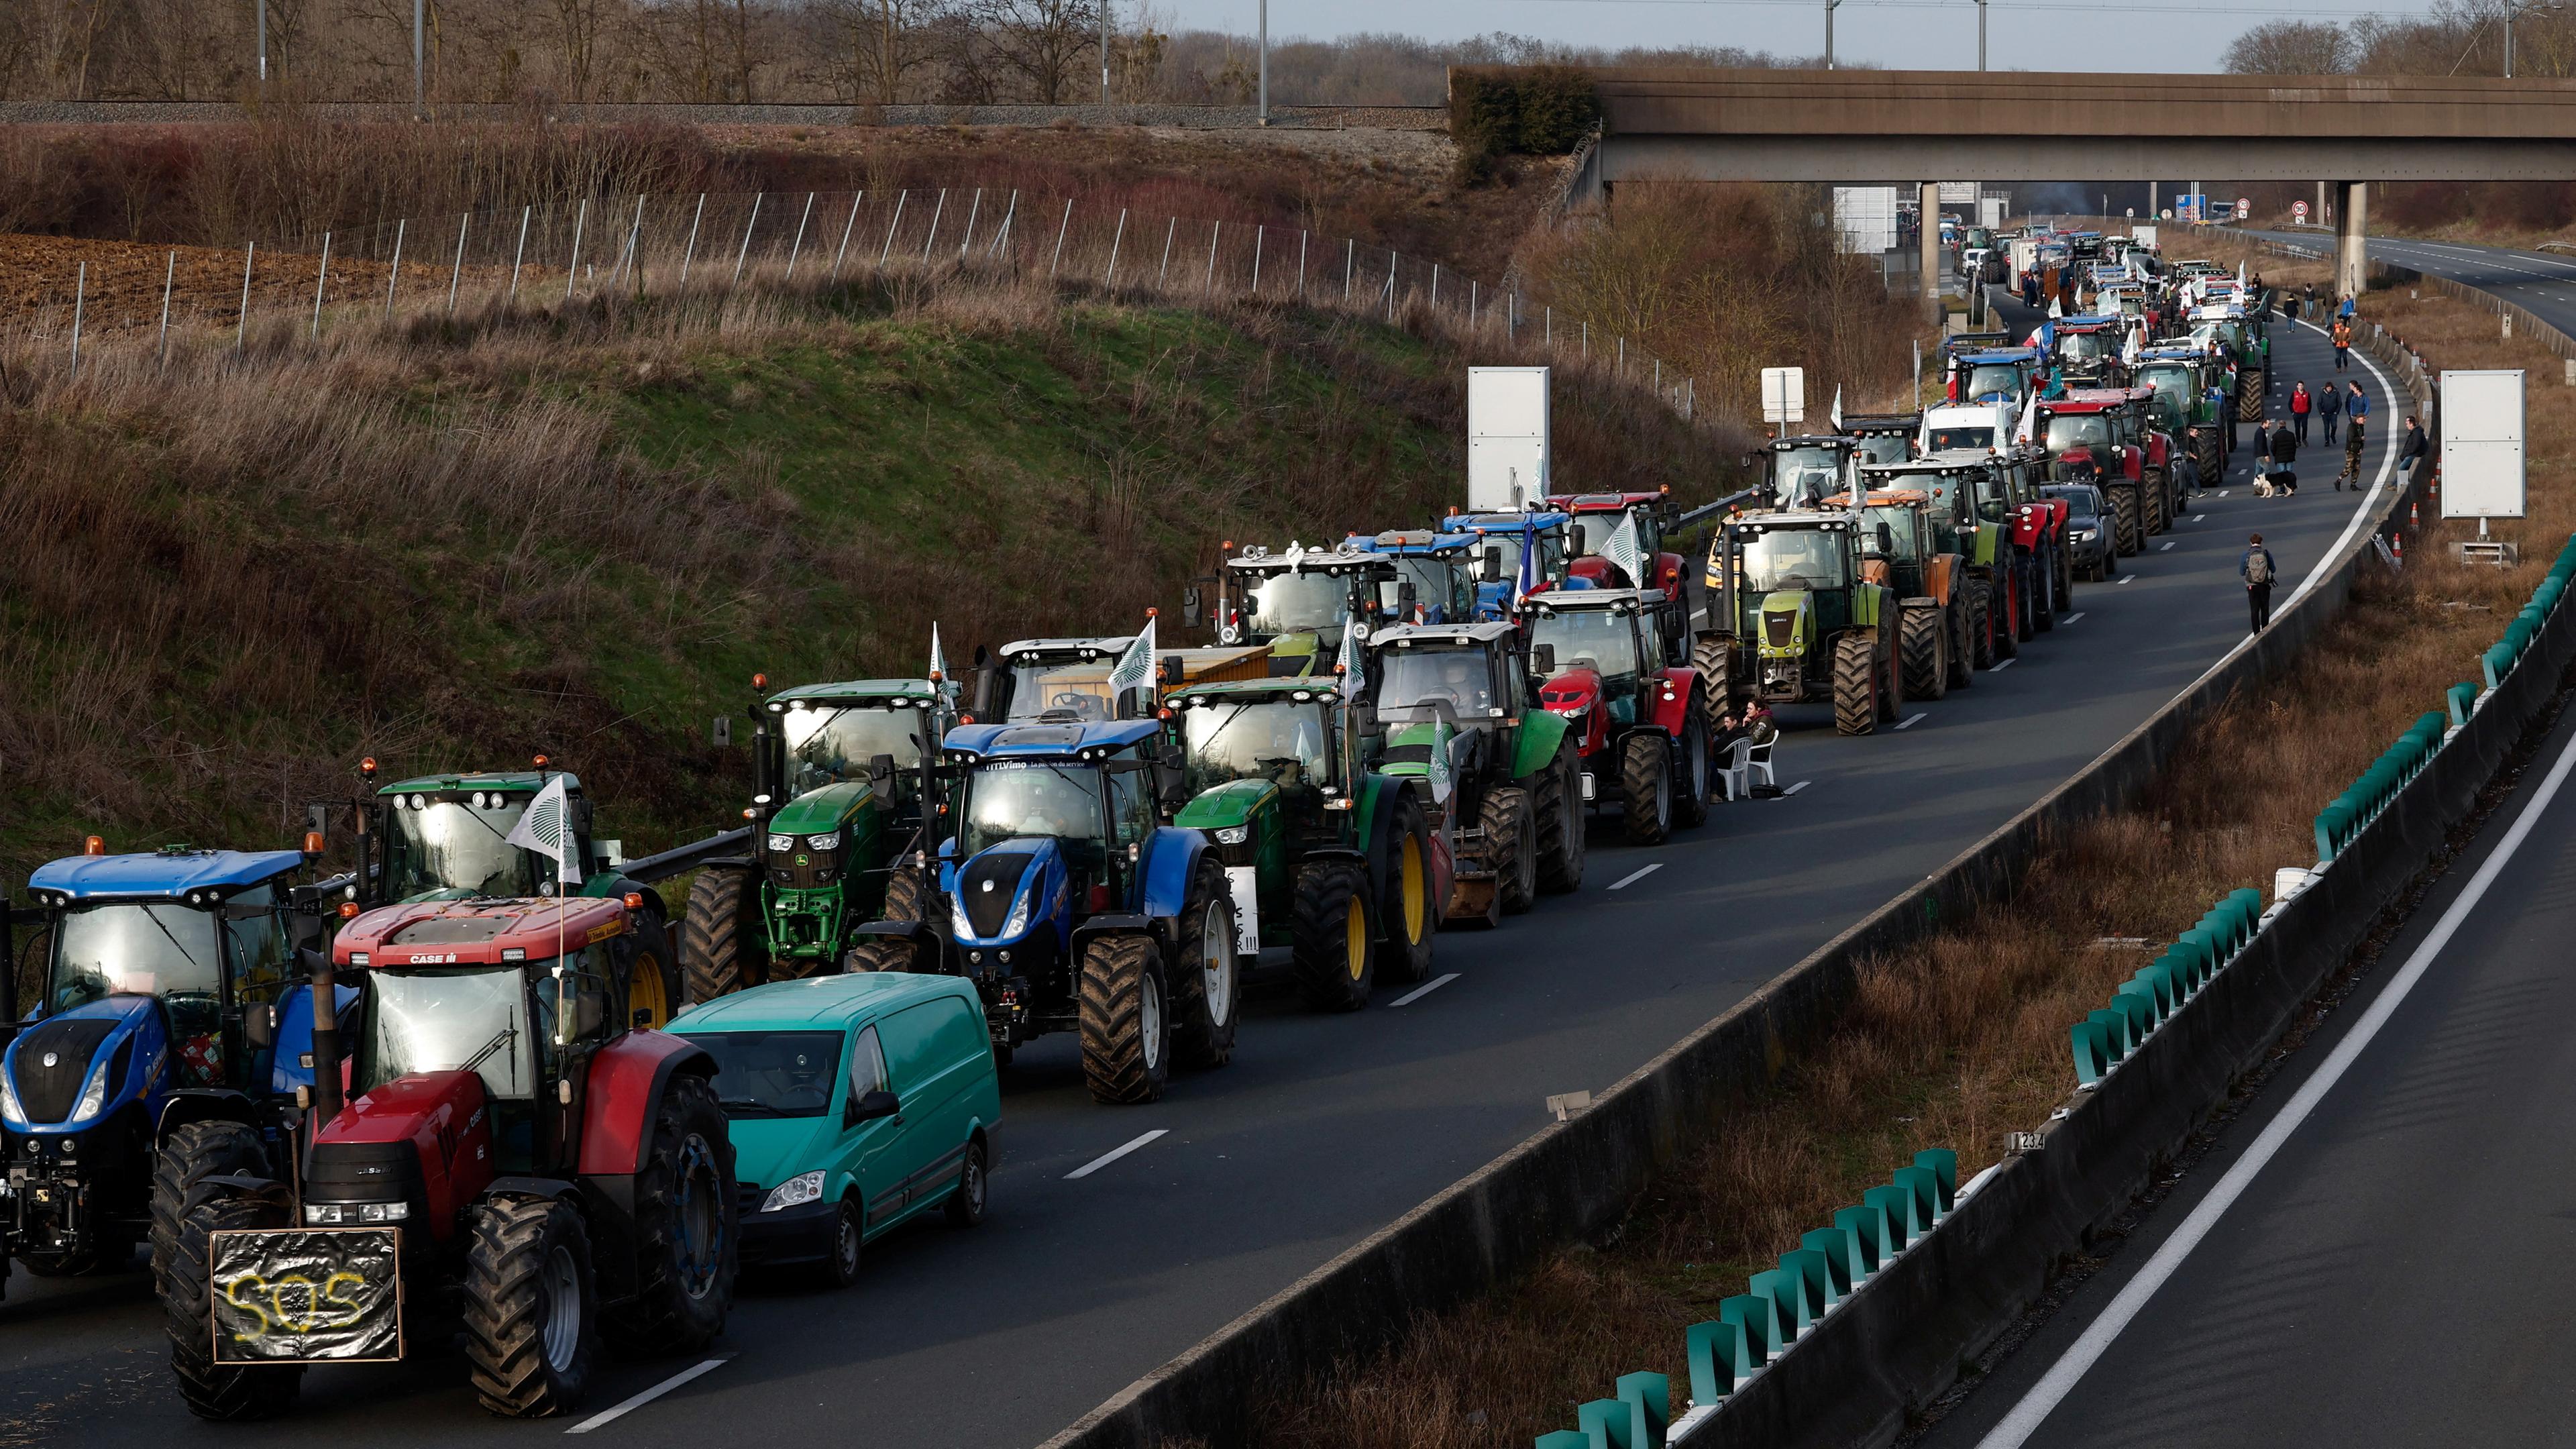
x: 1135, y: 669
x: 1836, y: 416
x: 1627, y: 553
x: 546, y: 828
x: 1526, y: 583
x: 1437, y: 775
x: 2055, y: 310
x: 938, y: 657
x: 2029, y: 420
x: 1353, y: 675
x: 2137, y: 340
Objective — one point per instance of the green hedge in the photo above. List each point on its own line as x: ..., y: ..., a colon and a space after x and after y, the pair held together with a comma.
x: 1540, y: 110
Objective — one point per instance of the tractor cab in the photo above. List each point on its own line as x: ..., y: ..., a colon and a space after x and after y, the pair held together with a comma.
x: 1884, y: 437
x: 1898, y: 541
x: 1033, y: 678
x: 1435, y: 571
x: 2086, y: 436
x: 1597, y: 520
x: 2087, y: 349
x: 1794, y: 472
x: 1298, y: 602
x: 2005, y: 375
x: 1516, y: 553
x: 447, y: 837
x: 1966, y: 497
x: 1795, y: 600
x: 160, y: 979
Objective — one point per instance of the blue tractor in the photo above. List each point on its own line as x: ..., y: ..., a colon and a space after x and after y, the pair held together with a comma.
x: 1070, y: 900
x: 155, y: 1057
x: 1516, y: 553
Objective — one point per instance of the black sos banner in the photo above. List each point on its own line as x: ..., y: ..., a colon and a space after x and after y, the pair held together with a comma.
x: 307, y: 1295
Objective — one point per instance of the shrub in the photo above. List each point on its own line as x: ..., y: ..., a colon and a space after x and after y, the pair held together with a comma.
x: 1543, y: 110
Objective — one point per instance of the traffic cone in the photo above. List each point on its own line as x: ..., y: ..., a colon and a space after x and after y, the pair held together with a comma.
x: 2414, y: 515
x: 2397, y: 548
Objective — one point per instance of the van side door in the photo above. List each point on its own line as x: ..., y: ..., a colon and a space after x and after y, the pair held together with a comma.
x: 872, y: 1150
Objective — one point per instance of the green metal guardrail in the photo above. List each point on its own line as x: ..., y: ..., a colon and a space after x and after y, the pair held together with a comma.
x: 1753, y: 1328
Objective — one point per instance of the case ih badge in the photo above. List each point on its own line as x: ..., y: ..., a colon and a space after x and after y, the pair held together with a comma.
x: 307, y: 1295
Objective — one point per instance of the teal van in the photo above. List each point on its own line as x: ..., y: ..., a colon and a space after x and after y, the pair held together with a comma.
x: 856, y: 1103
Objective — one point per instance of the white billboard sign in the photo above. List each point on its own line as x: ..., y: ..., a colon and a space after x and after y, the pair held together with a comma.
x: 1784, y: 394
x: 1506, y: 438
x: 2482, y: 438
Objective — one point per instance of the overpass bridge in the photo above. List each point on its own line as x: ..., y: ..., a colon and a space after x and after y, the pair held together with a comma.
x: 1877, y: 126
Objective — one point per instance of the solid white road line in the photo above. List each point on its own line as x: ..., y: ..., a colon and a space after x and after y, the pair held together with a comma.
x: 2071, y: 618
x: 1911, y: 720
x: 2052, y: 1389
x: 1794, y: 789
x: 1634, y: 876
x: 1407, y: 999
x: 649, y: 1395
x: 2387, y: 466
x: 1112, y: 1155
x: 2003, y: 664
x: 2167, y: 544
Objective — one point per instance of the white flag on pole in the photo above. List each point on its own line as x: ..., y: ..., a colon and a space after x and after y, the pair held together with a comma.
x: 2029, y: 420
x: 1135, y: 669
x: 1627, y: 553
x: 2055, y: 309
x: 938, y: 656
x: 1836, y: 415
x: 546, y: 828
x: 1349, y: 662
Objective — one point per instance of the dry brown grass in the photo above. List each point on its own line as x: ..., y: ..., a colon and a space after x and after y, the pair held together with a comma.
x: 1963, y: 1037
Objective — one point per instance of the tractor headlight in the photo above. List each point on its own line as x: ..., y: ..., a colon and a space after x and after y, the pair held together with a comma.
x: 93, y: 1098
x: 782, y: 842
x: 10, y: 1111
x: 804, y: 1187
x: 958, y: 925
x: 1233, y: 834
x: 831, y: 841
x: 1019, y: 920
x: 334, y: 1214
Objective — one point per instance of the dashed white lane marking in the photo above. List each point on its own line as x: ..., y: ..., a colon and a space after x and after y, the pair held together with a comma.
x: 1794, y: 789
x: 2197, y: 517
x: 1634, y: 876
x: 2071, y: 618
x: 2168, y: 543
x: 1907, y: 723
x: 2004, y: 664
x: 2222, y: 492
x: 2124, y: 578
x: 1417, y: 993
x: 649, y: 1395
x: 1113, y: 1154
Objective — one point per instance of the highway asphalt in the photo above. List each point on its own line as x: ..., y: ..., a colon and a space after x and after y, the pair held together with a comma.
x: 1324, y: 1128
x: 2544, y: 283
x: 2381, y: 1249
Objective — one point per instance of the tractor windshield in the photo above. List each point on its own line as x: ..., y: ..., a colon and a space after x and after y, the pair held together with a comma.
x: 1015, y: 799
x: 1419, y: 684
x: 444, y: 1019
x: 1601, y: 640
x: 774, y: 1073
x: 442, y: 846
x: 1802, y: 475
x: 1549, y: 564
x: 1794, y: 558
x: 828, y: 746
x: 1885, y: 448
x: 1899, y: 523
x: 141, y: 948
x: 1280, y: 740
x: 2083, y: 346
x: 2174, y: 386
x: 1064, y: 680
x: 1989, y: 380
x: 1441, y: 589
x: 2067, y: 431
x: 1978, y: 439
x: 1300, y: 602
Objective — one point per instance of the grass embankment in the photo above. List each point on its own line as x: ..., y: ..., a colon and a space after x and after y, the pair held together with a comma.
x: 582, y: 534
x: 1963, y: 1037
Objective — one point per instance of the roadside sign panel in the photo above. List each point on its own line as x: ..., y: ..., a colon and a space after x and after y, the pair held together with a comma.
x: 2482, y: 443
x: 2298, y: 211
x: 1784, y: 394
x: 2244, y: 208
x: 1506, y: 437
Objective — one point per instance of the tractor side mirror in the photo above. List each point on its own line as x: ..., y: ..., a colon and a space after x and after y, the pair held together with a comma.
x: 1168, y: 670
x: 876, y: 1104
x: 259, y: 1026
x: 1886, y: 540
x: 1490, y: 566
x: 1543, y: 659
x: 1192, y: 608
x: 881, y: 767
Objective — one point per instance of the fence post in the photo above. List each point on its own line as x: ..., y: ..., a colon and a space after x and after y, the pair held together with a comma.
x: 936, y: 213
x: 1110, y: 279
x: 1350, y: 255
x: 169, y: 274
x: 520, y: 256
x: 1394, y: 263
x: 572, y: 273
x: 1002, y: 238
x: 632, y: 264
x: 1259, y: 234
x: 393, y: 278
x: 1435, y: 286
x: 691, y: 253
x: 1301, y: 264
x: 321, y: 278
x: 1207, y: 284
x: 1471, y: 302
x: 456, y: 273
x: 846, y: 228
x: 1587, y: 338
x: 974, y: 209
x: 80, y: 296
x: 1165, y: 275
x: 1548, y: 321
x: 887, y: 250
x: 1061, y: 228
x: 745, y: 254
x: 797, y: 249
x: 242, y: 334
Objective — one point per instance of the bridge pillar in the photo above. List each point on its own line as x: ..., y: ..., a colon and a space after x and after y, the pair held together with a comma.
x: 2352, y: 238
x: 1929, y: 243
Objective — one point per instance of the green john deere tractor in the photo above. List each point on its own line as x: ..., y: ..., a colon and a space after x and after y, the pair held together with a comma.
x: 1457, y: 708
x: 1334, y: 861
x: 1807, y: 626
x: 847, y: 781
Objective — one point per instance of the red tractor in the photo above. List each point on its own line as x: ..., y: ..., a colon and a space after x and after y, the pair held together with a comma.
x: 501, y: 1152
x: 2098, y: 436
x: 1639, y: 726
x: 1598, y: 515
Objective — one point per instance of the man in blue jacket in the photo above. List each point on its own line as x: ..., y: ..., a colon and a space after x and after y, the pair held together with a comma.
x: 2258, y: 571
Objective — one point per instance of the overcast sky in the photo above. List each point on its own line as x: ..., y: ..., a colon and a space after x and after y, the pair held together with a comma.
x: 2160, y: 35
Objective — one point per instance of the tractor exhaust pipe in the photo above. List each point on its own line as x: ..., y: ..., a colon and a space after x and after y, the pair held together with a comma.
x: 327, y: 1097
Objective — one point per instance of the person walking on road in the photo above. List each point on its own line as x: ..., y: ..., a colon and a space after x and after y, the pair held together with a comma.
x: 2285, y: 452
x: 2412, y: 449
x: 2258, y: 569
x: 2308, y: 300
x: 2356, y: 403
x: 2301, y: 403
x: 2342, y: 336
x: 2351, y: 456
x: 2329, y: 409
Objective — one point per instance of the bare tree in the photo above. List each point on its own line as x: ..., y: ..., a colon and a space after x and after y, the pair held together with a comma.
x: 876, y: 44
x: 576, y: 37
x: 1042, y: 41
x: 2290, y: 47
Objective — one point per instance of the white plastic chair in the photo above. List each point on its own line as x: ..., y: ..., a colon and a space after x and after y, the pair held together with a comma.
x: 1758, y: 763
x: 1734, y: 776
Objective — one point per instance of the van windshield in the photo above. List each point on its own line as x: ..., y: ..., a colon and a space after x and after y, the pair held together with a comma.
x: 774, y: 1073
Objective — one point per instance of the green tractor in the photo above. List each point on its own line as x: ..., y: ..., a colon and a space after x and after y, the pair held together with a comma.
x: 1330, y: 859
x: 2191, y: 388
x: 1457, y: 708
x: 846, y: 783
x: 447, y: 838
x: 1807, y: 625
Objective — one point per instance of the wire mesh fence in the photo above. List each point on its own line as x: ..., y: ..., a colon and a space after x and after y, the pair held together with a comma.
x: 535, y: 257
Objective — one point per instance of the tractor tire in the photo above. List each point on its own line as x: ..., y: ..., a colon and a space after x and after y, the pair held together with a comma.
x: 1408, y: 914
x: 1697, y: 781
x: 1963, y: 625
x: 686, y: 1229
x: 2159, y: 518
x: 1646, y: 787
x: 1559, y: 798
x: 527, y: 1267
x: 1981, y: 625
x: 1919, y: 641
x: 179, y: 1171
x: 2043, y: 592
x: 1332, y: 948
x: 1126, y: 1019
x: 1709, y: 659
x: 653, y: 975
x: 1855, y: 685
x: 2025, y: 618
x: 1511, y: 834
x: 907, y: 898
x: 2124, y: 523
x: 2006, y: 612
x: 2252, y: 384
x: 2213, y: 456
x: 1206, y: 977
x: 223, y: 1392
x: 2064, y: 557
x: 724, y: 945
